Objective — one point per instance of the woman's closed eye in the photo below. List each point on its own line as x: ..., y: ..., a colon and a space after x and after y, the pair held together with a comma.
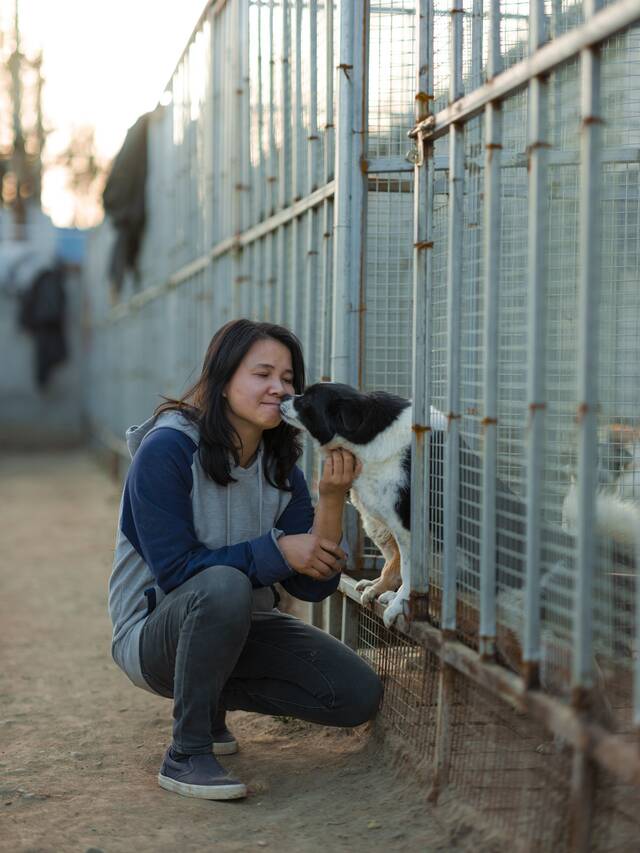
x: 288, y: 381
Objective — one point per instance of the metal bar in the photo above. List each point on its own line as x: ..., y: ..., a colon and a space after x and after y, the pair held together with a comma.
x: 280, y: 274
x: 333, y: 611
x: 297, y: 290
x: 456, y: 87
x: 313, y: 138
x: 359, y: 125
x: 421, y: 327
x: 342, y: 321
x: 537, y: 147
x: 242, y: 178
x: 259, y: 186
x: 476, y: 43
x: 312, y: 265
x: 272, y: 272
x: 588, y: 295
x: 601, y: 26
x: 327, y: 294
x: 350, y: 619
x: 442, y: 758
x: 386, y: 164
x: 619, y: 755
x: 299, y: 149
x: 282, y: 217
x: 452, y: 446
x: 285, y: 109
x: 272, y: 177
x: 492, y: 233
x: 329, y: 133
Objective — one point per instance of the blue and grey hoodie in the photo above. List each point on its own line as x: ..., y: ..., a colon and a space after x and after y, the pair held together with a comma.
x: 176, y: 521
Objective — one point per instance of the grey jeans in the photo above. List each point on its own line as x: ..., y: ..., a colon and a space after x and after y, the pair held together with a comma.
x: 204, y: 648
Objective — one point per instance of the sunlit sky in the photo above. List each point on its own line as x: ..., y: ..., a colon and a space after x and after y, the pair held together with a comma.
x: 104, y: 64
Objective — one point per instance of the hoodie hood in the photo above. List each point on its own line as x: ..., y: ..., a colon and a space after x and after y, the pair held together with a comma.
x: 175, y: 420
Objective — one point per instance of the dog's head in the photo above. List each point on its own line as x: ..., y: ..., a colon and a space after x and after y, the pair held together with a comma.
x: 338, y: 415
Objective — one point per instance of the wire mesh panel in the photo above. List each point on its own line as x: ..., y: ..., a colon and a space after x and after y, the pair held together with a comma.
x: 512, y: 359
x: 563, y: 247
x: 409, y: 673
x: 388, y: 293
x: 437, y: 368
x: 615, y: 577
x: 391, y: 75
x: 500, y: 766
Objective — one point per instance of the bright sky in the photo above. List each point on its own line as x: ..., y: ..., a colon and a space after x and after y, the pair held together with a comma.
x: 104, y: 64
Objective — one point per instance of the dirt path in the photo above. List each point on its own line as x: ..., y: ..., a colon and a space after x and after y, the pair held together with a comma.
x: 80, y: 746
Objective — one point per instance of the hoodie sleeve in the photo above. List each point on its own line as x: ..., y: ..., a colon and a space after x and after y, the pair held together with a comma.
x: 298, y: 517
x: 157, y: 518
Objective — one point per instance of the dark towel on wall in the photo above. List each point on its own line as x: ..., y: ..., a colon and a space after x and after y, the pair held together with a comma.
x: 42, y: 313
x: 124, y: 200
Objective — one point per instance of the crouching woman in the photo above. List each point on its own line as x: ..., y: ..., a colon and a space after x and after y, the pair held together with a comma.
x: 214, y: 512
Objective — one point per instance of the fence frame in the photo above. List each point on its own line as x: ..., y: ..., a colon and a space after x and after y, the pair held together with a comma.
x: 342, y: 333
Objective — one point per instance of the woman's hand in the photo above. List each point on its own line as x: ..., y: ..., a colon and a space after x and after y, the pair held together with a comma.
x: 311, y: 555
x: 341, y: 468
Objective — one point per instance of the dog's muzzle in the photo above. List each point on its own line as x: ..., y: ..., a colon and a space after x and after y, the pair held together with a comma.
x: 288, y: 412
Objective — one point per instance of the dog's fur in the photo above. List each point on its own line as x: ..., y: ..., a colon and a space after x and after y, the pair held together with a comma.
x: 376, y: 427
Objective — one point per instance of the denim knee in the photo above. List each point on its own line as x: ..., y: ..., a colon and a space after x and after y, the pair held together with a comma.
x: 362, y: 699
x: 223, y: 591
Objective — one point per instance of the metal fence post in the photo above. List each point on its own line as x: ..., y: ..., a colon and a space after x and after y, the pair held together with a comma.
x: 342, y: 367
x: 537, y: 153
x: 492, y: 232
x: 454, y: 276
x: 584, y: 769
x: 422, y: 270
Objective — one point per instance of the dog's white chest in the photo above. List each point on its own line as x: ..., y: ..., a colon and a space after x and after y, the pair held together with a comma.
x: 376, y: 491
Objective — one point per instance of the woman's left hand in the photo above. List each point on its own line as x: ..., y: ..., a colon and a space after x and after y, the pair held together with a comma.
x: 341, y: 468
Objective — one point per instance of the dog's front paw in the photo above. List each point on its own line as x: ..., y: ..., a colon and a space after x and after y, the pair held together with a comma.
x: 395, y: 608
x: 387, y: 597
x: 370, y: 590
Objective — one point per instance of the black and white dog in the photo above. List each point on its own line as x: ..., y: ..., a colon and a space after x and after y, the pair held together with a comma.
x: 376, y: 427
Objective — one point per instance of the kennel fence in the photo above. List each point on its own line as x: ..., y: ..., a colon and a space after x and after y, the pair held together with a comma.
x: 499, y: 242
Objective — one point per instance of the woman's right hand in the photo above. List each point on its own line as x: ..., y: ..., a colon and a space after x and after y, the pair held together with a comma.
x: 310, y: 555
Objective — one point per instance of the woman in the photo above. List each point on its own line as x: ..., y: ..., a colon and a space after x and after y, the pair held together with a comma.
x: 214, y: 512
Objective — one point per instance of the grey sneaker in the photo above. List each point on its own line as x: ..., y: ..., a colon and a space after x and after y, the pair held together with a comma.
x: 224, y: 743
x: 199, y: 776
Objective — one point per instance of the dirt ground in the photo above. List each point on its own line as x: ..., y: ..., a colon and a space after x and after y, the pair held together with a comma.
x: 80, y: 746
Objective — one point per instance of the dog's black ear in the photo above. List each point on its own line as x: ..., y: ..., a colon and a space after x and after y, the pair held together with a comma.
x: 349, y: 415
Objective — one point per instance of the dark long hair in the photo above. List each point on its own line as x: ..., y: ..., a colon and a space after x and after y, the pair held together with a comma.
x: 204, y: 405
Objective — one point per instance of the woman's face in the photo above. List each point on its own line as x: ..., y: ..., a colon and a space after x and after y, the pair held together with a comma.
x: 255, y: 390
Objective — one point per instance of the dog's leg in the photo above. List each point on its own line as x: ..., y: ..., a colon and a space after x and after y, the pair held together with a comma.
x: 395, y: 601
x: 390, y: 577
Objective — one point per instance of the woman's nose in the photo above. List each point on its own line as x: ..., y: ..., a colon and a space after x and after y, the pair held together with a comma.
x: 277, y: 388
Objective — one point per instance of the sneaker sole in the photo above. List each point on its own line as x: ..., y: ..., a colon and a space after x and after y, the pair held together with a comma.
x: 203, y: 792
x: 225, y: 747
